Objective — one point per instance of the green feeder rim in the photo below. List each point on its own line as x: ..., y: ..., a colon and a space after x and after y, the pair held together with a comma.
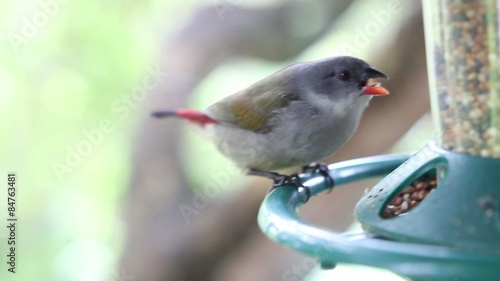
x: 279, y: 220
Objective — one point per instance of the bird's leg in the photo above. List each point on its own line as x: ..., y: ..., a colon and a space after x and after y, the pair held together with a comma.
x: 318, y: 167
x: 280, y: 179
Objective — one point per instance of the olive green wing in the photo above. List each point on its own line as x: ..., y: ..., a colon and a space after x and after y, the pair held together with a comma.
x: 251, y: 109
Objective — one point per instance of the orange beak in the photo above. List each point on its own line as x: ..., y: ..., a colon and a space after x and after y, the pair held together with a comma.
x: 371, y: 88
x: 375, y: 90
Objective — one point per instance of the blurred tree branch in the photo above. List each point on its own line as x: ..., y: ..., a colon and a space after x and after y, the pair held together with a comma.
x: 160, y: 244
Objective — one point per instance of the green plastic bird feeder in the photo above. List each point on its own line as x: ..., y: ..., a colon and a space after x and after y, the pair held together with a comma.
x: 436, y: 216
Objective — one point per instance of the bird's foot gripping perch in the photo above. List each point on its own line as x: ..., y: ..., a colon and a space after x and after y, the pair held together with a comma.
x: 280, y: 179
x: 322, y: 168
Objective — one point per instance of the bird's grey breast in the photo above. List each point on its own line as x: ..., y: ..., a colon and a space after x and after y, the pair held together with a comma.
x: 314, y: 131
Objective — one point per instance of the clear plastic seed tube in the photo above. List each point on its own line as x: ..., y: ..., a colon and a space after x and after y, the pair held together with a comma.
x: 463, y: 61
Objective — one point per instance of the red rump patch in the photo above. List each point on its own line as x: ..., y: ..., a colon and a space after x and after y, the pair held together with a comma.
x: 195, y: 116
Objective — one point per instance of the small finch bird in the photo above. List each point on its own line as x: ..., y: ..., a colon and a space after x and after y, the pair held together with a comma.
x: 295, y: 117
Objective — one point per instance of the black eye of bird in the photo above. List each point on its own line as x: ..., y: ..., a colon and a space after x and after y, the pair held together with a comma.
x: 345, y: 75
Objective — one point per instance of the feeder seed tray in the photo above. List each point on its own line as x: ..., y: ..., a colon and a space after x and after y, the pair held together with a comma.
x: 411, y: 196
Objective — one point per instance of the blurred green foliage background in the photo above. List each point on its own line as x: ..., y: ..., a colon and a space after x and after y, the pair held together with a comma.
x: 65, y: 64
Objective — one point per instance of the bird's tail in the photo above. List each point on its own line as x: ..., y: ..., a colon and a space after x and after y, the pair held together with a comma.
x: 195, y: 116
